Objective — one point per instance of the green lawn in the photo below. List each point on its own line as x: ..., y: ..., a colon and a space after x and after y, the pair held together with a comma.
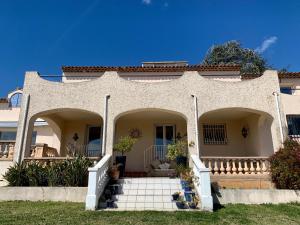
x: 73, y: 213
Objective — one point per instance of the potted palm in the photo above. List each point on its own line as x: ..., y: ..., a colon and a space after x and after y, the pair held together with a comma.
x: 123, y: 146
x: 178, y: 151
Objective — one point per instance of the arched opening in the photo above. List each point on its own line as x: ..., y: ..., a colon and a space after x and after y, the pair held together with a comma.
x: 157, y: 128
x: 16, y: 99
x: 65, y: 132
x: 235, y: 132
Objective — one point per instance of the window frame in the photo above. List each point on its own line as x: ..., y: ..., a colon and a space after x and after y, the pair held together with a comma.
x: 214, y: 131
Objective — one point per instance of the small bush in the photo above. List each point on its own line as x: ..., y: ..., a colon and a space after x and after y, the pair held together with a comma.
x: 70, y: 172
x: 285, y: 166
x: 36, y: 174
x: 17, y: 175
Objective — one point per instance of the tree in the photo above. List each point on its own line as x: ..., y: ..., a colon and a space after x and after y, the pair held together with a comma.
x: 231, y: 53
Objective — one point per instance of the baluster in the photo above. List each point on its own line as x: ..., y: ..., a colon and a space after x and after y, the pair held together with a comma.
x: 251, y: 167
x: 216, y: 169
x: 5, y: 153
x: 209, y: 166
x: 222, y: 169
x: 258, y: 168
x: 246, y: 168
x: 1, y: 153
x: 233, y: 167
x: 228, y: 167
x: 240, y: 168
x: 264, y: 168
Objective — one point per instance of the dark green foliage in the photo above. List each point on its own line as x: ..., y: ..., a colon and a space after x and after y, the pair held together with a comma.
x: 17, y: 175
x: 70, y: 172
x: 36, y: 174
x: 231, y: 53
x: 76, y: 171
x: 285, y: 166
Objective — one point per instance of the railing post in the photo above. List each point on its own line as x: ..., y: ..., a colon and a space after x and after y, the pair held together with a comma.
x: 202, y: 183
x: 91, y: 198
x: 98, y: 179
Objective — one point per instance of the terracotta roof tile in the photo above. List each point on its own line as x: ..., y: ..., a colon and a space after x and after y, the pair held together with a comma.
x: 281, y: 75
x: 89, y: 69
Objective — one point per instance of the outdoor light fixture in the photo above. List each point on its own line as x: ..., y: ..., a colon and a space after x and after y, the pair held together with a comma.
x: 75, y: 137
x: 245, y: 132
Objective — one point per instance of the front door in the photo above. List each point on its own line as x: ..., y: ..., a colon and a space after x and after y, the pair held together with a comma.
x: 94, y: 141
x: 164, y: 135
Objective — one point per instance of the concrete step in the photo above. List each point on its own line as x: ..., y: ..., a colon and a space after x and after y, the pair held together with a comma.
x: 147, y: 193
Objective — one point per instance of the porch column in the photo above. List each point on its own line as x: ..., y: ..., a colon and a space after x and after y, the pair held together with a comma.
x: 104, y: 135
x: 276, y: 96
x: 195, y: 125
x: 109, y: 132
x: 22, y: 131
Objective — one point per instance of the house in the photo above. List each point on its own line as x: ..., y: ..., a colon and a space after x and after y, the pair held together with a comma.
x: 232, y: 122
x: 9, y: 116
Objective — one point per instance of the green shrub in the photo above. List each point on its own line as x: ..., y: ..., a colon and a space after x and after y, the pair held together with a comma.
x: 285, y: 166
x: 70, y: 172
x: 56, y: 174
x: 17, y: 175
x: 125, y: 144
x: 178, y: 148
x: 76, y: 171
x: 36, y: 174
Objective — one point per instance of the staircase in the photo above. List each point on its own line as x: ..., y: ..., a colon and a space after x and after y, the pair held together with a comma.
x: 148, y: 193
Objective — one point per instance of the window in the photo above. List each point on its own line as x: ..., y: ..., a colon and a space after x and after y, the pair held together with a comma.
x: 15, y: 100
x: 8, y: 135
x: 214, y: 134
x: 293, y: 122
x: 286, y: 90
x: 33, y: 138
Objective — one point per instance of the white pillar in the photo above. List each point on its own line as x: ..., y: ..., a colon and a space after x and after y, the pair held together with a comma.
x: 21, y: 132
x: 196, y: 124
x: 104, y: 135
x: 276, y: 95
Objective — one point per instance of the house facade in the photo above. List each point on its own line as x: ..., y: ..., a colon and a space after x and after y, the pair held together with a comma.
x: 232, y: 122
x: 9, y: 117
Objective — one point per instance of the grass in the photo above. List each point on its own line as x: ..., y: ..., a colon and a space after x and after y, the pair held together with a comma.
x: 22, y: 213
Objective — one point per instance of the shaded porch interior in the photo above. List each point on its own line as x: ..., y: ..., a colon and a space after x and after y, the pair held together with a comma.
x: 158, y: 128
x: 235, y: 132
x: 73, y: 132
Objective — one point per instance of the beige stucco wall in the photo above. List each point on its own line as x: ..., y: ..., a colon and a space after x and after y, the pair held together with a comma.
x: 173, y: 96
x: 8, y: 113
x: 135, y: 158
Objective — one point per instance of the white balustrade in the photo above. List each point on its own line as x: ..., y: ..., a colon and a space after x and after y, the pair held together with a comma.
x: 237, y: 165
x: 202, y: 183
x: 6, y: 150
x: 295, y: 138
x: 98, y: 178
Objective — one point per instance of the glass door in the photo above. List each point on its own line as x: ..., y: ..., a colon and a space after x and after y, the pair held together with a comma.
x: 164, y: 135
x: 94, y: 142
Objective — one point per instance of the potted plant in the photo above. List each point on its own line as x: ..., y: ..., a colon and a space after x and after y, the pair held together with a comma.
x: 188, y: 195
x: 180, y: 203
x: 194, y: 203
x: 114, y: 172
x: 175, y: 196
x: 178, y: 151
x: 124, y: 145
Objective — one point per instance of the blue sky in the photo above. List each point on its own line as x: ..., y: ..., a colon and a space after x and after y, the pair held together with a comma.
x: 44, y: 35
